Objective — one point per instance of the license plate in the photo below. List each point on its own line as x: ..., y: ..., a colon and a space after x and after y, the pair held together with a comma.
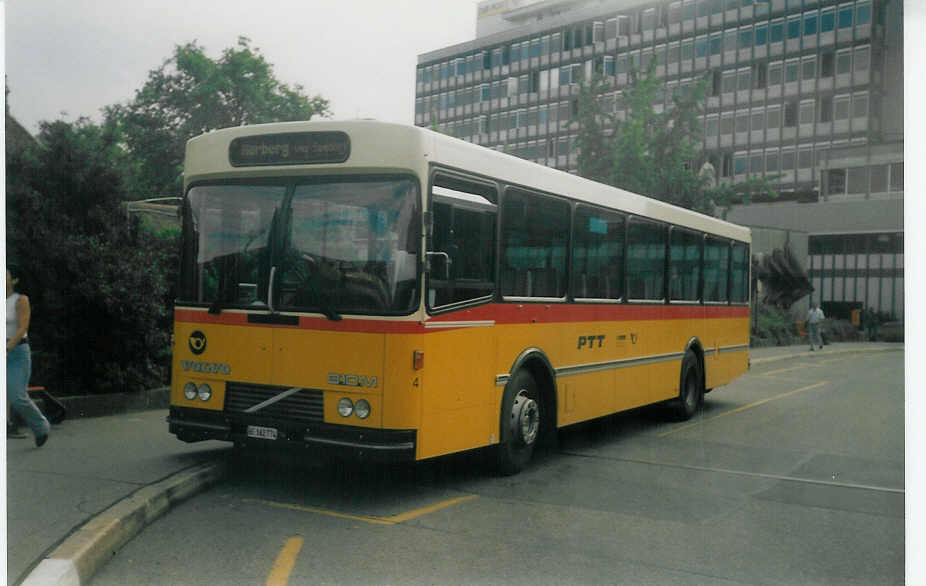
x: 269, y: 433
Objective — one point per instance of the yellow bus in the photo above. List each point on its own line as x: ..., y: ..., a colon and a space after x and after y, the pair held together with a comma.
x: 383, y: 291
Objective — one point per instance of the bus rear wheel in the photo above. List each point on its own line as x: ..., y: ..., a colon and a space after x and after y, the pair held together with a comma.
x: 520, y: 423
x: 690, y: 389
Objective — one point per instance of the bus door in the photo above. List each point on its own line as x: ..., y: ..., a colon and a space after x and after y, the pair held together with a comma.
x: 459, y: 410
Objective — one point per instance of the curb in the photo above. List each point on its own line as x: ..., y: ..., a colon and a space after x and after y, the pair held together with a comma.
x: 79, y: 406
x: 805, y: 354
x: 75, y: 560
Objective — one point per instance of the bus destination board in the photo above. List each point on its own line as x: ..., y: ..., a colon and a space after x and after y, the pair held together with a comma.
x: 295, y: 148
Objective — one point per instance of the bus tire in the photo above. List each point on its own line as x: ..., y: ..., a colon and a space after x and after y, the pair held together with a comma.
x: 690, y: 389
x: 521, y: 419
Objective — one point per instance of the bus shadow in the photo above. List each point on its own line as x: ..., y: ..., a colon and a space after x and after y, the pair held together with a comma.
x: 379, y: 490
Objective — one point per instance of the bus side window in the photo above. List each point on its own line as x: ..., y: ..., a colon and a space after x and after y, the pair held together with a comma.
x: 739, y: 286
x: 598, y: 254
x: 646, y: 258
x: 462, y: 250
x: 684, y: 265
x: 535, y: 237
x: 716, y: 269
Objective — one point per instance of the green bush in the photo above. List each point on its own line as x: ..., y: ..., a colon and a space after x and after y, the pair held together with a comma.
x: 841, y: 330
x: 100, y: 289
x: 773, y: 326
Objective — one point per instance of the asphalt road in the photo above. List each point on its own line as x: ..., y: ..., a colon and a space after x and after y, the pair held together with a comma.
x: 794, y: 474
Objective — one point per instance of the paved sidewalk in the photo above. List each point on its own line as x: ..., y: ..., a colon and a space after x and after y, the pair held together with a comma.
x: 90, y: 464
x: 86, y: 466
x: 775, y: 353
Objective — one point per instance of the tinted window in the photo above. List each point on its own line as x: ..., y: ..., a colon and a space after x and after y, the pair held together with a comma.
x: 535, y: 235
x: 739, y: 278
x: 845, y: 17
x: 684, y: 265
x: 777, y: 33
x: 646, y: 257
x: 716, y: 268
x: 466, y: 235
x: 598, y: 254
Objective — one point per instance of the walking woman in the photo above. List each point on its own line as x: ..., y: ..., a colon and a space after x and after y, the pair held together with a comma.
x: 19, y: 359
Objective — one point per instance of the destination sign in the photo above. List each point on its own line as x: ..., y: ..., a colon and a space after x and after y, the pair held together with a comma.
x: 295, y: 148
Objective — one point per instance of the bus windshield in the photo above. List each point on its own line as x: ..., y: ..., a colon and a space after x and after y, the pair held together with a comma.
x: 334, y: 246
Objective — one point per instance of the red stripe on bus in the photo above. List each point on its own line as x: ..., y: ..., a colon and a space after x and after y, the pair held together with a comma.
x: 500, y: 313
x: 515, y: 313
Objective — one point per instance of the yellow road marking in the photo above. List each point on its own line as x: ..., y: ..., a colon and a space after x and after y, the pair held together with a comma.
x: 430, y: 509
x: 780, y: 370
x: 803, y: 366
x: 393, y: 520
x: 279, y: 575
x: 744, y: 408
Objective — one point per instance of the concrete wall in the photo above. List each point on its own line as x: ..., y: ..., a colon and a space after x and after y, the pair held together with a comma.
x: 829, y: 217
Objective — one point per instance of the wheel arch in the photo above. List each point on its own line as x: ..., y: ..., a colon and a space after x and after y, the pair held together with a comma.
x: 538, y: 364
x: 694, y: 344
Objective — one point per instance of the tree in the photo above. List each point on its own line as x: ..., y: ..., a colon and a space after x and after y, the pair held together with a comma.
x: 596, y: 149
x: 652, y: 153
x: 191, y: 94
x: 100, y: 320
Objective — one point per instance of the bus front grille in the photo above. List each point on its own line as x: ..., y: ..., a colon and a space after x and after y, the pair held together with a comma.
x: 303, y: 405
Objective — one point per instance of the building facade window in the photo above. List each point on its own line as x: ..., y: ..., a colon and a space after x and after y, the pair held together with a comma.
x: 790, y: 114
x: 761, y: 34
x: 809, y: 69
x: 776, y: 32
x: 860, y: 105
x: 827, y: 20
x: 862, y: 58
x: 807, y: 112
x: 810, y: 24
x: 857, y: 180
x: 862, y: 13
x: 826, y: 109
x: 771, y: 162
x: 827, y: 64
x: 773, y: 117
x: 845, y: 16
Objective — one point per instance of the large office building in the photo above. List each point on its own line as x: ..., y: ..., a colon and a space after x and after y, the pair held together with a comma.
x: 809, y: 92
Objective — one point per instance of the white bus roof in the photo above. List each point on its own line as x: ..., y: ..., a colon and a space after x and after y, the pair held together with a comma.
x: 375, y: 147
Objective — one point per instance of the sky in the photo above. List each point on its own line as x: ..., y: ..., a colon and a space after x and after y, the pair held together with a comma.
x: 70, y: 58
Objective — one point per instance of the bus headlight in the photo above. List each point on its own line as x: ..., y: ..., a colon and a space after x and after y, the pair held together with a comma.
x: 345, y: 407
x: 205, y: 392
x: 189, y: 391
x: 362, y: 409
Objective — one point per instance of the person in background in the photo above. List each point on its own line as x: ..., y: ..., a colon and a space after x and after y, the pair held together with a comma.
x: 814, y: 318
x: 19, y: 359
x: 870, y: 321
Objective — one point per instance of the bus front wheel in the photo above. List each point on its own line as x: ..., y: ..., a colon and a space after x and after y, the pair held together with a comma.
x: 690, y: 390
x: 520, y: 423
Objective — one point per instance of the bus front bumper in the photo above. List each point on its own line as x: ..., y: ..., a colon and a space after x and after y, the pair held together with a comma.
x: 337, y: 441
